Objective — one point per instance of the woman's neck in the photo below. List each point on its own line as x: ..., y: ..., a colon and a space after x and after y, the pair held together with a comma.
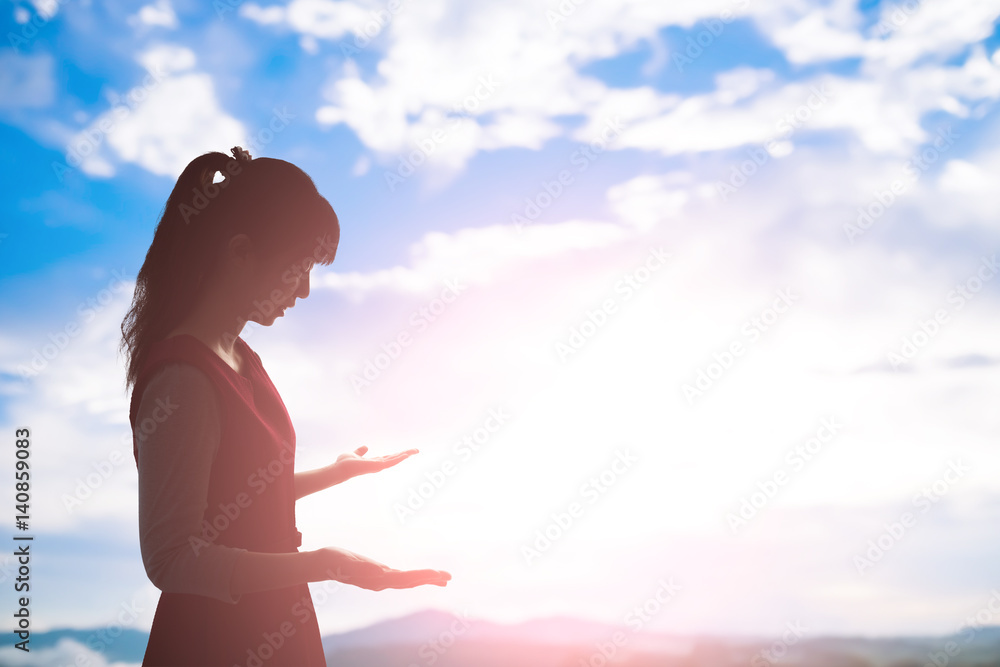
x: 224, y: 347
x: 216, y: 327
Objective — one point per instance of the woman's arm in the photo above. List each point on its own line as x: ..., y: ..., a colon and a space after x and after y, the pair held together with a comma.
x: 177, y: 436
x: 256, y: 571
x: 344, y: 468
x: 311, y: 481
x: 176, y: 450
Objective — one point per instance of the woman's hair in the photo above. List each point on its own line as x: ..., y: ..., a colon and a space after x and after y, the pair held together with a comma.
x: 273, y: 202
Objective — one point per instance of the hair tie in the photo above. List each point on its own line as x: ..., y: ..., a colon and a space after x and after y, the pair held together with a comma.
x: 240, y: 154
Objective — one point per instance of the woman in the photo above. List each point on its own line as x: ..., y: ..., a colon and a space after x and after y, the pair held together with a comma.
x: 213, y: 443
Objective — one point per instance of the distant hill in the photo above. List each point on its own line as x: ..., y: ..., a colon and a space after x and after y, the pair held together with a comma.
x: 439, y: 639
x: 443, y: 640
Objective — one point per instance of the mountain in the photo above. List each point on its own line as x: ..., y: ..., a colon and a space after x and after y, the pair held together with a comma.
x: 439, y: 639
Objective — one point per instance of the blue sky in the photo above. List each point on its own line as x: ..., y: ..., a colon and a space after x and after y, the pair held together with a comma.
x: 817, y: 173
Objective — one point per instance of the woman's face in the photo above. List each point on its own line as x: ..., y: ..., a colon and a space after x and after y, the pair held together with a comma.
x: 279, y: 281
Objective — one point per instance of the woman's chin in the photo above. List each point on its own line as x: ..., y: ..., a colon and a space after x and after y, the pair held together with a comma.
x: 267, y: 320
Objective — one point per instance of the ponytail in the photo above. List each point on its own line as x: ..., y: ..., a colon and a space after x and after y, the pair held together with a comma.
x: 271, y: 201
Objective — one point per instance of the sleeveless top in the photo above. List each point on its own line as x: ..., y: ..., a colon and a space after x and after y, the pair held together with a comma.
x: 251, y: 504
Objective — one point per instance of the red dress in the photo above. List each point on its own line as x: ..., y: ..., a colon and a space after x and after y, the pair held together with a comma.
x: 251, y: 500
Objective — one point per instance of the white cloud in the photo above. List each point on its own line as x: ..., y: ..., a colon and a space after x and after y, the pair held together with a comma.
x: 475, y: 255
x: 161, y: 124
x: 326, y: 19
x: 967, y: 191
x: 885, y: 111
x: 160, y: 13
x: 936, y: 29
x: 901, y: 35
x: 275, y: 14
x: 47, y: 9
x: 420, y: 85
x: 167, y: 59
x: 820, y: 34
x: 26, y: 82
x: 647, y: 201
x: 963, y: 177
x: 72, y: 368
x: 66, y: 652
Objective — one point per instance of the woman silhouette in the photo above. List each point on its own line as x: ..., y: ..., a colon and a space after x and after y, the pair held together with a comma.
x: 213, y: 443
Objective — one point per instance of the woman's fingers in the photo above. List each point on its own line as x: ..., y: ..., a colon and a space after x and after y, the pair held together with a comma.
x: 402, y: 455
x: 413, y: 578
x: 364, y: 572
x: 393, y: 459
x: 360, y: 451
x: 400, y: 579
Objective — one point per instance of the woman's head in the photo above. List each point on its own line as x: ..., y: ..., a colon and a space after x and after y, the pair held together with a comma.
x: 263, y: 216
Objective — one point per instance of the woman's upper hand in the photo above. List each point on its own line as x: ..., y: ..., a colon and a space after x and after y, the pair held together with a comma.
x: 357, y: 570
x: 352, y: 464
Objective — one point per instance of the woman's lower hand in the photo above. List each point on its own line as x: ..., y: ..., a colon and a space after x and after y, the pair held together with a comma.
x: 352, y: 464
x: 357, y: 570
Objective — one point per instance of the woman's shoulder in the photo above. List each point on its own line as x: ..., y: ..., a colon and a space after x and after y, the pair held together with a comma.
x: 181, y: 378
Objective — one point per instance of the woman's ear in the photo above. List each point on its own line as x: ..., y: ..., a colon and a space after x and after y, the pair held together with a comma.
x: 240, y: 249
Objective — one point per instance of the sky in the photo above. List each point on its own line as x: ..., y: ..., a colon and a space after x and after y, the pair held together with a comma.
x: 690, y: 292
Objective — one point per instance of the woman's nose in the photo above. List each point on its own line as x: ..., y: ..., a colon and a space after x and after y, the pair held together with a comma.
x: 303, y: 290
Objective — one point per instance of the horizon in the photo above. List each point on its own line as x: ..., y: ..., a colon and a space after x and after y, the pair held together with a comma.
x: 423, y: 613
